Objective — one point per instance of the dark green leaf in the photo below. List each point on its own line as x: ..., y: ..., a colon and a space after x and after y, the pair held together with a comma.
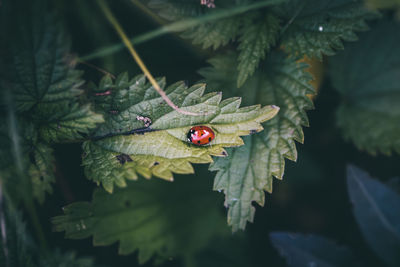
x: 319, y: 27
x: 248, y: 171
x: 311, y: 250
x: 154, y: 217
x: 256, y: 39
x: 375, y: 209
x: 367, y: 75
x: 42, y: 171
x: 36, y: 69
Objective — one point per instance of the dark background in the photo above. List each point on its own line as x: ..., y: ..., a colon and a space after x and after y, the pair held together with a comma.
x: 312, y: 198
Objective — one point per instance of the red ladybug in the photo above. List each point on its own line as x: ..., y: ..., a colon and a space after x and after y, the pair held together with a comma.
x: 200, y: 135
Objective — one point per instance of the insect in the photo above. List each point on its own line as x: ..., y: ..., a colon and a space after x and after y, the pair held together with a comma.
x: 200, y: 135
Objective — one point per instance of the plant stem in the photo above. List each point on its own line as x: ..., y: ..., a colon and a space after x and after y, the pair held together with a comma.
x: 136, y: 57
x: 180, y: 26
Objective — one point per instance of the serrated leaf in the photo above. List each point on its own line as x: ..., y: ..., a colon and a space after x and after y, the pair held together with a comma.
x: 256, y: 39
x: 367, y: 75
x: 375, y: 209
x: 319, y: 27
x: 249, y: 170
x: 42, y: 171
x: 311, y: 250
x: 35, y: 68
x: 124, y: 146
x: 157, y: 218
x: 214, y: 34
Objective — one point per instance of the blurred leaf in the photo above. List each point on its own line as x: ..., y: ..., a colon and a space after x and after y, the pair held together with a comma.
x: 42, y: 171
x: 384, y: 4
x: 16, y: 246
x: 319, y: 27
x: 162, y: 147
x: 154, y: 217
x: 248, y: 171
x: 256, y: 39
x: 35, y: 68
x: 67, y: 259
x: 367, y: 75
x: 311, y: 250
x: 376, y: 211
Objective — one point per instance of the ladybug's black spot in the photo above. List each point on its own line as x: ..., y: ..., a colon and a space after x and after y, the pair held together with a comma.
x: 209, y: 139
x: 198, y: 142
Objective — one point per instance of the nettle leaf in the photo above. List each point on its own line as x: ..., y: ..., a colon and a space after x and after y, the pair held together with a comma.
x: 157, y: 218
x: 126, y: 145
x: 248, y: 171
x: 319, y: 27
x: 213, y: 34
x: 44, y: 84
x: 42, y: 171
x: 370, y: 86
x: 311, y: 250
x: 256, y: 39
x: 376, y: 211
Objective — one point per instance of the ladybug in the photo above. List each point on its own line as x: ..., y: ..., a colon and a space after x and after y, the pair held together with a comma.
x: 200, y: 135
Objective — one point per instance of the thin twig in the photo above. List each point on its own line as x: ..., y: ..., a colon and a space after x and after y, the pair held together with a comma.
x: 138, y: 60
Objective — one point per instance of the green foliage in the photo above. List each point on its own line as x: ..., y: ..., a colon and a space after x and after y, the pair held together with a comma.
x: 312, y: 28
x: 44, y: 84
x: 149, y: 216
x: 42, y: 171
x: 162, y: 147
x: 374, y: 211
x: 367, y: 76
x: 67, y: 259
x: 311, y: 250
x: 318, y: 27
x: 42, y: 96
x: 248, y: 171
x: 16, y: 246
x: 256, y: 39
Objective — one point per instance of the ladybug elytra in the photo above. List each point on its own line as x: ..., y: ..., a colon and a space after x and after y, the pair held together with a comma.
x: 200, y: 135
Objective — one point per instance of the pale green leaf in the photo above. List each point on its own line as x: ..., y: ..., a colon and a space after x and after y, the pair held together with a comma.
x: 157, y: 218
x: 319, y: 27
x: 248, y: 171
x: 367, y: 75
x: 125, y: 146
x: 257, y: 37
